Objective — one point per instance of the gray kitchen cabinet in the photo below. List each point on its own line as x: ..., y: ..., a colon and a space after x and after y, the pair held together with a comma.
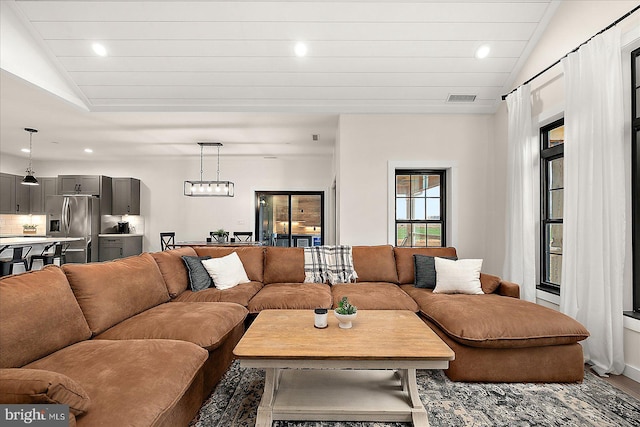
x: 119, y: 246
x: 79, y: 184
x: 14, y: 197
x: 39, y: 193
x: 126, y: 196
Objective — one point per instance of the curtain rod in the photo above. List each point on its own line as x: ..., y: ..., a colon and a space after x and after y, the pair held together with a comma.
x: 614, y: 23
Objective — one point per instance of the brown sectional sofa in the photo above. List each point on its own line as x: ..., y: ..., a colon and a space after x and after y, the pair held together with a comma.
x: 128, y: 337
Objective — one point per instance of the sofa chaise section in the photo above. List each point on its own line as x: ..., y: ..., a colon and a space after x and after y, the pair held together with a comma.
x: 44, y: 340
x: 127, y: 299
x: 497, y: 337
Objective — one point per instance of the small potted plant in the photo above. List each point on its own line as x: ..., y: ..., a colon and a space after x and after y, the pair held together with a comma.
x: 345, y: 313
x: 220, y: 235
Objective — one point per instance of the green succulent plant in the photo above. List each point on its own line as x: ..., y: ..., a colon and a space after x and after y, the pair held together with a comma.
x: 345, y: 307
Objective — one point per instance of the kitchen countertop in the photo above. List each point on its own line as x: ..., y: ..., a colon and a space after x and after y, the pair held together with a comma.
x: 11, y: 241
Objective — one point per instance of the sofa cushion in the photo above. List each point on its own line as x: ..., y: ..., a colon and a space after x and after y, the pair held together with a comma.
x: 494, y: 321
x: 173, y: 270
x: 110, y: 292
x: 252, y: 258
x: 199, y: 278
x: 283, y: 265
x: 373, y: 296
x: 226, y: 271
x: 201, y: 323
x: 38, y: 315
x: 240, y: 294
x: 291, y: 296
x: 134, y: 382
x: 375, y: 264
x: 425, y: 268
x: 489, y: 283
x: 405, y: 262
x: 458, y: 276
x: 35, y: 386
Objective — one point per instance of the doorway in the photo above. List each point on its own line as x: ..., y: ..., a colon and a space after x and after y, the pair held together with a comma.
x: 290, y: 218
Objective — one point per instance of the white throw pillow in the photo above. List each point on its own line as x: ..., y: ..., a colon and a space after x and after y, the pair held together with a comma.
x: 457, y: 277
x: 226, y: 271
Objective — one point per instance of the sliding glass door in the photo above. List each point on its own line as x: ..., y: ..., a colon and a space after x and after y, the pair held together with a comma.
x: 290, y: 218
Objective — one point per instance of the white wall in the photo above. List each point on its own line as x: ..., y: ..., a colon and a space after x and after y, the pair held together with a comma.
x: 165, y: 208
x: 369, y: 142
x: 572, y: 24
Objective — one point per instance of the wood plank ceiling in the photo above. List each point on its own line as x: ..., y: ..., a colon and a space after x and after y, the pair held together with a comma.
x: 363, y: 57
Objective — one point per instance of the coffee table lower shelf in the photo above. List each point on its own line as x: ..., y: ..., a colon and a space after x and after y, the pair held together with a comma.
x: 326, y: 394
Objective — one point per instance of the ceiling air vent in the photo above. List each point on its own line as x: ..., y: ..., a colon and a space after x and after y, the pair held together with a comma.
x: 461, y: 98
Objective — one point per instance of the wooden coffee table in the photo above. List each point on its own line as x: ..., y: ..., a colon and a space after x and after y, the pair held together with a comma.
x: 366, y: 373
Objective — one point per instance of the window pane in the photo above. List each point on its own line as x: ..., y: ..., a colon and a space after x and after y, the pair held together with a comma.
x: 418, y: 209
x: 555, y: 269
x: 403, y: 231
x: 419, y: 236
x: 433, y: 189
x: 402, y: 208
x: 434, y: 235
x: 556, y: 136
x: 433, y: 209
x: 556, y: 173
x: 403, y: 188
x: 418, y: 185
x: 556, y: 204
x: 554, y: 238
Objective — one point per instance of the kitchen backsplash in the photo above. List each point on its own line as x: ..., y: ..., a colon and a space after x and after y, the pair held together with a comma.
x: 109, y: 223
x: 13, y: 224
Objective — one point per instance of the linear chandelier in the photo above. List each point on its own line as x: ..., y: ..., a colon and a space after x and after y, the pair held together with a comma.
x: 209, y: 188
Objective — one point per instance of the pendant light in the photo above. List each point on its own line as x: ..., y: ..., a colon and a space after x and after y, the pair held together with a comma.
x: 29, y: 179
x: 209, y: 188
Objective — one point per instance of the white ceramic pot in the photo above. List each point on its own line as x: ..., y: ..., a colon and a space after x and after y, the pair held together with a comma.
x: 345, y: 319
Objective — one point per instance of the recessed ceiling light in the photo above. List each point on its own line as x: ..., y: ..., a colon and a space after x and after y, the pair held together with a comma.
x: 483, y: 51
x: 300, y: 49
x: 99, y: 49
x: 88, y: 150
x: 25, y: 150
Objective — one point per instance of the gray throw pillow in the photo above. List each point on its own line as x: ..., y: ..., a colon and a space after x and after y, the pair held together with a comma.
x: 425, y: 270
x: 199, y: 278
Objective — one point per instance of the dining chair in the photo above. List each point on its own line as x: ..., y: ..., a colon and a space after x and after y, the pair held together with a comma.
x: 167, y: 240
x: 243, y: 236
x: 219, y: 237
x: 19, y: 257
x: 59, y: 252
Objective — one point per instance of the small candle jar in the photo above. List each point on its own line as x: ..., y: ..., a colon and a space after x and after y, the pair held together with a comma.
x: 320, y: 318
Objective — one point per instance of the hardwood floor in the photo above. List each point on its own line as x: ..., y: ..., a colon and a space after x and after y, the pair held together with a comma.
x: 625, y: 384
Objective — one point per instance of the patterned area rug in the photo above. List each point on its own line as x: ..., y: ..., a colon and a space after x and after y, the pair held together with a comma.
x: 593, y: 403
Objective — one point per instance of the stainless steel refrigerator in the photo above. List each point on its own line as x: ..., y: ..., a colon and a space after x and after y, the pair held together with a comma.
x: 75, y: 216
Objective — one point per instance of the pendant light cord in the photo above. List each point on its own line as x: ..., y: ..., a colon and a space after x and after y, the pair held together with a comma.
x: 201, y: 169
x: 30, y: 150
x: 218, y: 175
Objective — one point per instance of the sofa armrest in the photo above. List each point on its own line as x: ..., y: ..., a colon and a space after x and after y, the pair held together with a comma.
x: 508, y: 289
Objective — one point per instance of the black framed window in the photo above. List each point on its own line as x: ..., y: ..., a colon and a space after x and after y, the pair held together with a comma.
x: 635, y: 175
x: 551, y: 204
x: 420, y: 214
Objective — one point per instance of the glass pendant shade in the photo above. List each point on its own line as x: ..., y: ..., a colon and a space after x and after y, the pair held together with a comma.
x: 203, y: 188
x: 29, y: 179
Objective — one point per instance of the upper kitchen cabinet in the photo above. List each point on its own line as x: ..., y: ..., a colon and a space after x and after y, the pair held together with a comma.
x: 48, y: 187
x: 126, y: 196
x: 14, y: 197
x: 81, y: 184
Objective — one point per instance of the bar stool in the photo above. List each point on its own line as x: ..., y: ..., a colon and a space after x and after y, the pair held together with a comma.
x: 48, y: 258
x: 19, y: 257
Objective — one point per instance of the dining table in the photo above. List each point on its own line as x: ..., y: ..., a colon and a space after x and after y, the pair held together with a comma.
x: 205, y: 243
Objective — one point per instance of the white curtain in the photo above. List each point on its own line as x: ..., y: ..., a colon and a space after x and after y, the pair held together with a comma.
x: 522, y: 208
x: 594, y: 198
